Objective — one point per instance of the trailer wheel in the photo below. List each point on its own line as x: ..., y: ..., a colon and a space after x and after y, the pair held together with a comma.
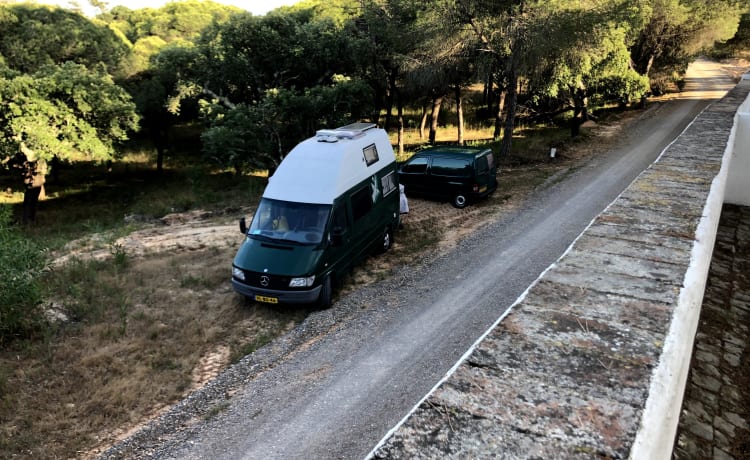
x: 459, y: 201
x: 326, y: 294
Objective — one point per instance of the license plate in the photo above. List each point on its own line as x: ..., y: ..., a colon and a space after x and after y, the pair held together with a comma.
x: 261, y: 298
x: 482, y: 189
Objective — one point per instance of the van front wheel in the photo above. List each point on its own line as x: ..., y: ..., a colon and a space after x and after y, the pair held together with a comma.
x: 326, y: 294
x: 459, y: 201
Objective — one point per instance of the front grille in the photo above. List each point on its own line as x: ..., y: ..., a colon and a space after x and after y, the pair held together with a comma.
x: 276, y: 282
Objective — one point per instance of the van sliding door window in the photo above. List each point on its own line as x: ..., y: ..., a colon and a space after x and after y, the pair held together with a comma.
x: 453, y: 167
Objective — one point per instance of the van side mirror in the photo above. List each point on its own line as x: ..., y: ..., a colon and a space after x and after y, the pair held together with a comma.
x: 243, y: 226
x: 337, y: 236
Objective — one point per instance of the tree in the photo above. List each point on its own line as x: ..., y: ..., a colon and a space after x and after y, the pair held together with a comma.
x: 675, y: 31
x: 258, y: 135
x: 161, y: 95
x: 162, y: 55
x: 35, y: 36
x: 66, y: 112
x: 580, y: 54
x: 286, y: 74
x: 503, y: 30
x: 392, y: 28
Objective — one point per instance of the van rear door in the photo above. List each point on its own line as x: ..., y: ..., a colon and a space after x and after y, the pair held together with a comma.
x: 486, y: 172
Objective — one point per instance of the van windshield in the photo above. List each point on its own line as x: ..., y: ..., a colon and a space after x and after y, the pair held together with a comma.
x: 288, y: 221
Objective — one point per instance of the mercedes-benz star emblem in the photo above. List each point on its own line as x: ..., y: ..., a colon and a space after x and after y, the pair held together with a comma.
x: 264, y: 280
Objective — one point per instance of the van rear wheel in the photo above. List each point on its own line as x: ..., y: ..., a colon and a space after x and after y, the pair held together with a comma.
x: 459, y: 201
x: 387, y: 241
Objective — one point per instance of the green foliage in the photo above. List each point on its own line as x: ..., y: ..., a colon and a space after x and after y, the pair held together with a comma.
x: 35, y: 36
x: 256, y: 136
x: 249, y: 55
x: 66, y: 111
x: 621, y: 88
x: 21, y: 265
x: 675, y: 31
x: 740, y: 42
x: 175, y: 21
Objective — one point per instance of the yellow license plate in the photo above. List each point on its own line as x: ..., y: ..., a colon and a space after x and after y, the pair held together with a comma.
x: 482, y: 189
x: 261, y: 298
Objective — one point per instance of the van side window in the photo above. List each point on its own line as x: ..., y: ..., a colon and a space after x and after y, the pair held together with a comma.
x: 455, y: 167
x: 361, y: 202
x: 388, y: 183
x: 371, y: 154
x: 417, y: 165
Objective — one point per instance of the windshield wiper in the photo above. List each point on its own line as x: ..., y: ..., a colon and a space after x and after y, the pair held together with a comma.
x: 260, y: 236
x: 286, y: 240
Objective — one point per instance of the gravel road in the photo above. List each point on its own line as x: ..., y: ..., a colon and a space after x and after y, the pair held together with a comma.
x: 334, y: 386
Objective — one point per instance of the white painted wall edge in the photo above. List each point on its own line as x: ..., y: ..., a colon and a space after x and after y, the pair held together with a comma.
x: 656, y: 435
x: 738, y: 185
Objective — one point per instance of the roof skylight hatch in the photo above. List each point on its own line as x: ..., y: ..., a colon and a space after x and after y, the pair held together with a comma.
x: 350, y: 131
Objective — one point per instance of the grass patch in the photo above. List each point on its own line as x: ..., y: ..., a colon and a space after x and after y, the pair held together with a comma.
x: 90, y: 198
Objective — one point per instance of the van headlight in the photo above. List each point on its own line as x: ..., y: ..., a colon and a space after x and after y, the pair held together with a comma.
x: 238, y: 273
x: 302, y: 281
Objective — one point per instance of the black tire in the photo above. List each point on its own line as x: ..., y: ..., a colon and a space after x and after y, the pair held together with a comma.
x: 326, y: 294
x: 386, y: 241
x: 459, y: 201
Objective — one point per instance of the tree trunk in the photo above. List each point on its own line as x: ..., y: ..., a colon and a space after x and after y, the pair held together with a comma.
x: 580, y: 111
x: 510, y: 117
x: 34, y: 178
x: 400, y: 108
x: 377, y: 106
x: 499, y: 114
x: 389, y: 94
x: 159, y: 138
x: 460, y: 114
x: 423, y: 123
x: 437, y: 102
x: 54, y: 170
x: 490, y: 92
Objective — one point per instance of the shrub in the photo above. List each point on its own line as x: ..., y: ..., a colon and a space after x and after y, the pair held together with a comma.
x: 21, y: 265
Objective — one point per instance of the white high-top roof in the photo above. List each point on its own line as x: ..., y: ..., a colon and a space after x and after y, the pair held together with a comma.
x: 321, y: 168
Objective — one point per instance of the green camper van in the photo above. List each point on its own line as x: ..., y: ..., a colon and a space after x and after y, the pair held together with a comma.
x: 332, y: 201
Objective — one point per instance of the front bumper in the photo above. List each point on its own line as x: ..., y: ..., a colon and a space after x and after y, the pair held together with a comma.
x: 306, y: 296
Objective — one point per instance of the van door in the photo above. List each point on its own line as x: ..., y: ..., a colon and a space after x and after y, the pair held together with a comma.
x: 486, y: 172
x: 339, y: 237
x: 451, y: 176
x: 365, y: 226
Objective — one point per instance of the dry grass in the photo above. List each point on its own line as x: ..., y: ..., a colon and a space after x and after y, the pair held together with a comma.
x: 137, y: 346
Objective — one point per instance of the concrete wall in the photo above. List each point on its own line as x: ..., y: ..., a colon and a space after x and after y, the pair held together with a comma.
x: 592, y: 360
x: 738, y: 183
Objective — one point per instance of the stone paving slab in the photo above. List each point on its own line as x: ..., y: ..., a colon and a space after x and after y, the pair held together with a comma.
x: 566, y: 374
